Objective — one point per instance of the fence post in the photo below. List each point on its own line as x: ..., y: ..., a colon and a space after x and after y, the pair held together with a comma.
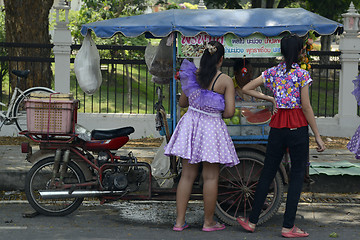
x: 349, y: 47
x: 62, y: 49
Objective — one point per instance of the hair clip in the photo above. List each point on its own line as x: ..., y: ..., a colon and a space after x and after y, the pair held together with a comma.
x: 212, y: 49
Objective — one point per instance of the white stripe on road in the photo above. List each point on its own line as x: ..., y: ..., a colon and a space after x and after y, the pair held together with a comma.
x: 12, y: 227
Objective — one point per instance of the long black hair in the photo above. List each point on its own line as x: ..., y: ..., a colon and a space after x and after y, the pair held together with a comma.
x: 291, y: 47
x: 208, y: 62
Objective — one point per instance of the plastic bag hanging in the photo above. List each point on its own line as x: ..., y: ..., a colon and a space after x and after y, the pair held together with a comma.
x: 87, y: 66
x: 159, y: 60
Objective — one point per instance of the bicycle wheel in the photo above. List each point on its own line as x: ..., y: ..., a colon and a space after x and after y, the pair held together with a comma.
x: 40, y: 178
x: 19, y: 111
x: 237, y: 187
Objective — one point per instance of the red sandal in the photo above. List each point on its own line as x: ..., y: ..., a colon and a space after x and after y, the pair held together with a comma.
x: 245, y: 224
x: 293, y: 233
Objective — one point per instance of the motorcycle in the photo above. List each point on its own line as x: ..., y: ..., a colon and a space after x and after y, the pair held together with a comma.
x: 69, y: 167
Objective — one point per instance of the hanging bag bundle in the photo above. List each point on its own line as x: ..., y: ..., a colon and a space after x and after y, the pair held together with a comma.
x: 159, y: 60
x: 87, y: 66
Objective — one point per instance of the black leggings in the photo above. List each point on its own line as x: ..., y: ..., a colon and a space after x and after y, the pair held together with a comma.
x: 297, y: 140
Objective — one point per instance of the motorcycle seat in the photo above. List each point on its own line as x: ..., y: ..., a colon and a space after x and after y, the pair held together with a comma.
x: 111, y: 133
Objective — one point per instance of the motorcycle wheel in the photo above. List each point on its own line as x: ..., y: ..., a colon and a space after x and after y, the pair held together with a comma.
x: 40, y: 177
x: 237, y: 187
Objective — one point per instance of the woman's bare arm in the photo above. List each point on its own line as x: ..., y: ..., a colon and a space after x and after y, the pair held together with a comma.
x: 229, y: 96
x: 250, y: 89
x: 309, y: 115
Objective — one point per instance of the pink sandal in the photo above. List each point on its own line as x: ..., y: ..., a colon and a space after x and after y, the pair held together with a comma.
x: 293, y: 233
x: 245, y: 224
x: 179, y: 229
x: 216, y: 227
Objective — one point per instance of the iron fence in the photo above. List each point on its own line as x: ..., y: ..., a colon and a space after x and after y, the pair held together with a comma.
x: 127, y: 86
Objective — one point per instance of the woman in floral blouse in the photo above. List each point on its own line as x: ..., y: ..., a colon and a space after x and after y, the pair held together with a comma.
x: 289, y: 130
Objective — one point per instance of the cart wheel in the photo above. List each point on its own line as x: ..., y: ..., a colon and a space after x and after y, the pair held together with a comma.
x: 39, y: 178
x: 237, y: 187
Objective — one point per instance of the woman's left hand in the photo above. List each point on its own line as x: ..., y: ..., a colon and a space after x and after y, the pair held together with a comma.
x: 320, y: 144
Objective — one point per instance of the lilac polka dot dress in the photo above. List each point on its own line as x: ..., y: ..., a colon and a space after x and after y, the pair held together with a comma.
x: 201, y: 134
x: 354, y: 144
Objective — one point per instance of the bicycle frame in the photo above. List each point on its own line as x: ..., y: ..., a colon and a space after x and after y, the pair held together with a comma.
x: 7, y: 116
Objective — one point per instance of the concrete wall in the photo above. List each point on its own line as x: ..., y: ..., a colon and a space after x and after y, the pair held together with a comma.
x: 144, y: 125
x: 332, y: 127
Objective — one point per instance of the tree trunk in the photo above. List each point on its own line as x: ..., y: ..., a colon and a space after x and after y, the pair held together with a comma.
x: 325, y: 46
x: 27, y: 21
x: 325, y: 43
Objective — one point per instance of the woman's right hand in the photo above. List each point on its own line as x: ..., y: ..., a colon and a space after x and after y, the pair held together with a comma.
x: 272, y: 100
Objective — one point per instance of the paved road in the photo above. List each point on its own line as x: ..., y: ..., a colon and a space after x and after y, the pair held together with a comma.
x: 153, y: 220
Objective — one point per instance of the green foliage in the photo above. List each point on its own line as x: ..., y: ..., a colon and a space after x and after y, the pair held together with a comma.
x: 172, y: 6
x: 2, y: 24
x: 221, y: 4
x: 334, y: 12
x: 301, y: 4
x: 182, y: 1
x: 166, y: 6
x: 4, y: 64
x: 98, y: 10
x: 245, y: 4
x: 108, y: 9
x: 190, y: 6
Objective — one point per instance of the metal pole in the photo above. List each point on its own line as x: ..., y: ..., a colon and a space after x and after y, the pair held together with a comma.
x: 174, y: 86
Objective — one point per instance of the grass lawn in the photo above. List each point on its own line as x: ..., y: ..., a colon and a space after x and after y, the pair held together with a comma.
x: 114, y: 95
x: 324, y: 95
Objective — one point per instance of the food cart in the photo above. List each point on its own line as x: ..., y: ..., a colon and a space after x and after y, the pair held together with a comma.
x: 244, y: 33
x: 249, y: 33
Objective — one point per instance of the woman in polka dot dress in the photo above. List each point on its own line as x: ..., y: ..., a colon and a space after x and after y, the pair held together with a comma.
x: 289, y: 130
x: 354, y: 143
x: 201, y: 135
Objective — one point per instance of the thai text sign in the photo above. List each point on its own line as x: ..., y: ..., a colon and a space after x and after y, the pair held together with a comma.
x: 255, y: 45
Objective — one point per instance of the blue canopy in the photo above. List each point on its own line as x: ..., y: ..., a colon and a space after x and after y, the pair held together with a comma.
x: 217, y: 22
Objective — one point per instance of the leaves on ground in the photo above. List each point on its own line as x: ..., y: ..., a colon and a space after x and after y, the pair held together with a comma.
x: 331, y: 142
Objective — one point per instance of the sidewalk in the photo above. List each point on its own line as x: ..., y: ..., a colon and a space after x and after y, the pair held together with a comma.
x: 334, y: 171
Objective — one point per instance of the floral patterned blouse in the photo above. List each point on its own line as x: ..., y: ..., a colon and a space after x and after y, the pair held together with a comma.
x: 286, y: 86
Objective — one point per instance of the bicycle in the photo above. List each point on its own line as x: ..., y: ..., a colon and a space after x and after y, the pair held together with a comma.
x: 16, y: 113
